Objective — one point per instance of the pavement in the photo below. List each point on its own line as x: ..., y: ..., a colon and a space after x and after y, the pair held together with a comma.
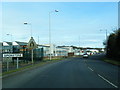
x: 75, y: 72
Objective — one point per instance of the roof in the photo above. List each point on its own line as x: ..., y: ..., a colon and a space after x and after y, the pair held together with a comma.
x: 6, y: 43
x: 10, y: 43
x: 21, y: 43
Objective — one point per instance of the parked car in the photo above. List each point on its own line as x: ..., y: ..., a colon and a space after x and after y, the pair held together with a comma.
x: 85, y: 56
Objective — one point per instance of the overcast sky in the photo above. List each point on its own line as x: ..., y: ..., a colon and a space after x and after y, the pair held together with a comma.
x: 76, y: 23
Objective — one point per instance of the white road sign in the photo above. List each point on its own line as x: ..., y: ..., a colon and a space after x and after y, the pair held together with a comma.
x: 32, y: 44
x: 13, y: 55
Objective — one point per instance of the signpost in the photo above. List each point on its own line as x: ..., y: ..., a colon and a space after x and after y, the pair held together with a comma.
x: 32, y: 45
x: 12, y: 55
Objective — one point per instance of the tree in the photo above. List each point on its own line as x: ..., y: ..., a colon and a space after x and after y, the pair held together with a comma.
x: 118, y: 43
x: 113, y: 45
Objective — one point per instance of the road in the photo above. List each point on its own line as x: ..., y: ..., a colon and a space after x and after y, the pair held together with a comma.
x: 75, y: 72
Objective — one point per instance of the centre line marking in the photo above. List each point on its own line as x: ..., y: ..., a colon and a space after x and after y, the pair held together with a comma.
x: 107, y: 81
x: 91, y: 69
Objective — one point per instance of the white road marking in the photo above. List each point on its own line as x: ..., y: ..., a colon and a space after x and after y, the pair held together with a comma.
x: 104, y: 79
x: 91, y: 69
x: 107, y: 81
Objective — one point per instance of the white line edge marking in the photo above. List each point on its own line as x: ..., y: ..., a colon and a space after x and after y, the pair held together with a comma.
x: 107, y: 81
x: 91, y: 69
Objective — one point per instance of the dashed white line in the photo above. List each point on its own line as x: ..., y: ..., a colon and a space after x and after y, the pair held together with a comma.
x: 104, y: 79
x: 91, y: 69
x: 107, y: 81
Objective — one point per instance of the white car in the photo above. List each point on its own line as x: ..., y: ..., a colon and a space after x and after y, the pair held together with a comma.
x: 85, y: 55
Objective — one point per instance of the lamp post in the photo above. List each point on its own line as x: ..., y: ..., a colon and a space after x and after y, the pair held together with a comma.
x: 79, y: 45
x: 10, y: 52
x: 105, y: 33
x: 26, y: 23
x: 106, y: 36
x: 50, y: 30
x: 11, y: 41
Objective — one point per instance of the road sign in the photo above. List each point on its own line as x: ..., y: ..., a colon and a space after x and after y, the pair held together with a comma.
x: 13, y: 55
x: 8, y: 58
x: 32, y: 44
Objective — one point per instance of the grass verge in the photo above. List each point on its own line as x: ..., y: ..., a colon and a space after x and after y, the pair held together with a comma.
x: 111, y: 61
x: 31, y: 66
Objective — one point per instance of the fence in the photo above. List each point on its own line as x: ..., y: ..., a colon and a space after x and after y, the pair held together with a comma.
x: 23, y: 61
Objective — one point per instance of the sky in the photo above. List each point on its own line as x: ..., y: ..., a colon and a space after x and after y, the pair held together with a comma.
x: 60, y: 0
x: 77, y: 23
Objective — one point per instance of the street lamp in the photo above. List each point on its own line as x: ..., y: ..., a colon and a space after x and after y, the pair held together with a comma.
x: 10, y: 36
x: 105, y: 32
x: 50, y: 30
x: 10, y: 52
x: 26, y: 23
x: 106, y: 36
x: 11, y: 41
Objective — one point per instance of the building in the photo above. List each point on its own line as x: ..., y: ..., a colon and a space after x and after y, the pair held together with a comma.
x: 1, y: 44
x: 67, y: 50
x: 61, y: 51
x: 21, y: 47
x: 46, y: 50
x: 7, y: 47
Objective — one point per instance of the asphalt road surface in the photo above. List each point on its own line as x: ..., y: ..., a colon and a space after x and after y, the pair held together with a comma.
x: 72, y: 72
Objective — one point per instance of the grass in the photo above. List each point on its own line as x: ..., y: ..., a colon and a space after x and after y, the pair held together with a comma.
x: 45, y: 61
x: 112, y: 61
x: 0, y: 74
x: 20, y: 69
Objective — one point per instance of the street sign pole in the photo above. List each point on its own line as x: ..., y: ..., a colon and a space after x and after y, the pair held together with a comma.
x: 7, y: 66
x: 32, y: 45
x: 17, y: 62
x: 7, y: 58
x: 32, y: 56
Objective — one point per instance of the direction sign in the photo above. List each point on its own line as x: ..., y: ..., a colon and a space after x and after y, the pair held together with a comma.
x: 32, y: 44
x: 13, y: 55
